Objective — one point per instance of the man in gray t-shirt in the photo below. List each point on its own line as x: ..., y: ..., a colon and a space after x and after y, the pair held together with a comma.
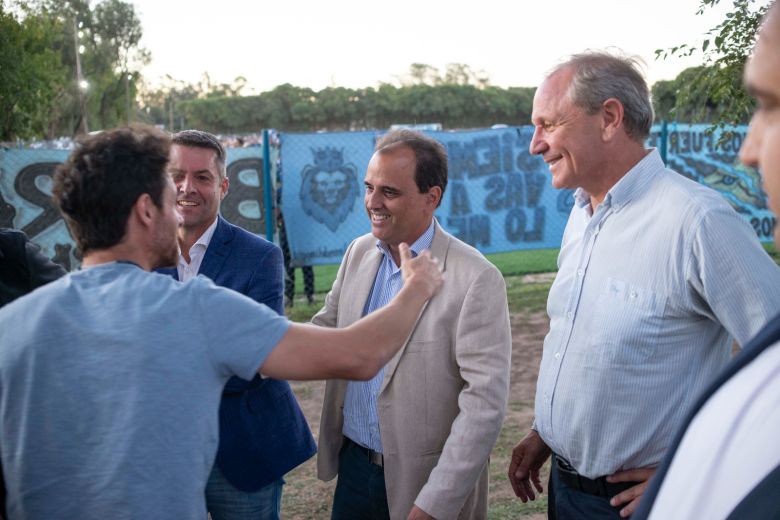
x: 108, y: 398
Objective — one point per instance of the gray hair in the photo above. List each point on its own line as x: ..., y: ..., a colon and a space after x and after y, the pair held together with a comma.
x: 599, y: 76
x: 201, y: 139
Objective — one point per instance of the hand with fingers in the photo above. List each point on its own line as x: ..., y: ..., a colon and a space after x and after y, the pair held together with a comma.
x: 422, y: 272
x: 632, y: 495
x: 528, y: 457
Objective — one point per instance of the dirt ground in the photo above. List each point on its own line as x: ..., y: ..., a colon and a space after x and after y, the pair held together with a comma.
x: 305, y: 497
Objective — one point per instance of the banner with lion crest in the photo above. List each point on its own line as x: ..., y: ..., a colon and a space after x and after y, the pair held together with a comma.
x: 499, y: 197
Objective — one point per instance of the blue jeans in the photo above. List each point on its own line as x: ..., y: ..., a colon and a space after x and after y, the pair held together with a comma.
x: 360, y: 490
x: 225, y: 502
x: 566, y: 503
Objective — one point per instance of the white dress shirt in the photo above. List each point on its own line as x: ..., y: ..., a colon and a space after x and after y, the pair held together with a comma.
x: 188, y: 271
x: 652, y: 288
x: 729, y: 447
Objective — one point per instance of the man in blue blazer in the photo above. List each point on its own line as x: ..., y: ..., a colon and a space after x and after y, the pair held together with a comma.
x: 263, y: 433
x: 725, y: 460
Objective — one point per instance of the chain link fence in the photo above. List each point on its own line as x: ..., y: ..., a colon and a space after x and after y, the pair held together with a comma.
x: 498, y: 197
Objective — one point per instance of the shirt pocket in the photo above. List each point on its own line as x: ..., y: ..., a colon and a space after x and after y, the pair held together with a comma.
x: 628, y: 321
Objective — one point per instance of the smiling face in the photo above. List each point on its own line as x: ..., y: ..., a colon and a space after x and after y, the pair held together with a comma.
x: 761, y: 148
x: 397, y: 209
x: 567, y: 138
x: 199, y: 186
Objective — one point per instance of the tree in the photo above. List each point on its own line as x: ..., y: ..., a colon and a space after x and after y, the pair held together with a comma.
x: 724, y: 53
x: 292, y: 108
x: 103, y: 43
x: 702, y: 103
x: 165, y: 104
x: 422, y: 74
x: 30, y: 72
x: 115, y: 40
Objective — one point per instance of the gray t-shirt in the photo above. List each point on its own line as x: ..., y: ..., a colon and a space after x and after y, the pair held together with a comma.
x: 110, y: 383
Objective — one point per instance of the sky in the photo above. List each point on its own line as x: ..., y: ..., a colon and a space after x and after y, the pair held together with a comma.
x: 361, y: 43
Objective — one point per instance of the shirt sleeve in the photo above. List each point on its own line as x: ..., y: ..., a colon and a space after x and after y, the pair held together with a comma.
x: 734, y: 276
x: 240, y: 332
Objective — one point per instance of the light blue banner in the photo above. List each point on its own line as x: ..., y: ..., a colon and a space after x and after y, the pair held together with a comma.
x: 25, y: 197
x: 694, y: 151
x: 498, y: 197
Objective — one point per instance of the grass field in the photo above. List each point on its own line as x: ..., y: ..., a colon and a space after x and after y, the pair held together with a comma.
x: 307, y: 498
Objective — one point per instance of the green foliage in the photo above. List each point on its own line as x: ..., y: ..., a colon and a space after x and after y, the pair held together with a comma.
x: 459, y: 98
x: 714, y: 92
x: 292, y: 108
x: 691, y: 96
x: 526, y: 262
x: 29, y: 74
x: 104, y: 41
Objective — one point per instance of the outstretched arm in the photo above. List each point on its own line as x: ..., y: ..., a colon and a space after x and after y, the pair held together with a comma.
x: 362, y: 349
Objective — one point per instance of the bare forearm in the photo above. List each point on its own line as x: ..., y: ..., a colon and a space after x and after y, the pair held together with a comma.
x: 355, y: 352
x: 362, y: 349
x: 378, y: 336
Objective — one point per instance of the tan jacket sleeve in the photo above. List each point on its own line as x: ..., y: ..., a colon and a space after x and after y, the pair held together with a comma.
x: 483, y: 348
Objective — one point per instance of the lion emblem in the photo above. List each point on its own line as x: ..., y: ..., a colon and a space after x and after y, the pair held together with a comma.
x: 329, y: 187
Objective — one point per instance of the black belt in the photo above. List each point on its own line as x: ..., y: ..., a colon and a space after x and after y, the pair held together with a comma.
x: 374, y: 457
x: 598, y: 486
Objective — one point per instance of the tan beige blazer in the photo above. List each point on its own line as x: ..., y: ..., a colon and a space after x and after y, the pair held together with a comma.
x: 444, y: 395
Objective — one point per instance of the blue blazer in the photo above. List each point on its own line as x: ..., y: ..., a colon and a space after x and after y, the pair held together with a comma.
x: 762, y: 501
x: 262, y: 431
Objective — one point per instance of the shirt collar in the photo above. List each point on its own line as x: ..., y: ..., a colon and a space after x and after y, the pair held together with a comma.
x: 200, y: 246
x: 423, y: 242
x: 631, y: 184
x: 205, y: 238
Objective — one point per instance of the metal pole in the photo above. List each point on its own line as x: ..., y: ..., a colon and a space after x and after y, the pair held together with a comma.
x: 79, y: 79
x: 268, y: 199
x: 664, y: 140
x: 127, y: 96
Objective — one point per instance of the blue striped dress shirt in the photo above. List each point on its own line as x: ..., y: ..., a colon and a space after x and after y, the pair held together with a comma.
x: 361, y: 422
x: 652, y: 288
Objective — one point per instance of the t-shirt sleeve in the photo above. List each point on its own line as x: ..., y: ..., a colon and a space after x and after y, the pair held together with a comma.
x: 240, y: 332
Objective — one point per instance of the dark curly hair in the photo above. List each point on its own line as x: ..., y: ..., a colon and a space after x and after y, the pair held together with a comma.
x: 95, y: 189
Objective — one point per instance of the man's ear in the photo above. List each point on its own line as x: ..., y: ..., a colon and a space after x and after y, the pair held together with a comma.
x: 144, y: 210
x: 611, y: 118
x: 224, y: 187
x: 433, y: 196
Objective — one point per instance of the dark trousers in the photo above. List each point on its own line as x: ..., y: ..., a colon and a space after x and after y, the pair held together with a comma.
x: 289, y: 270
x: 566, y: 503
x: 360, y: 490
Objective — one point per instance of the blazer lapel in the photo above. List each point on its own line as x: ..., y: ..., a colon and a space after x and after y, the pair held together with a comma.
x: 363, y: 281
x: 439, y: 248
x: 218, y: 250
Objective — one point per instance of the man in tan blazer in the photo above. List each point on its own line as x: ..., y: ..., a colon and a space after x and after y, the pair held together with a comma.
x: 414, y: 442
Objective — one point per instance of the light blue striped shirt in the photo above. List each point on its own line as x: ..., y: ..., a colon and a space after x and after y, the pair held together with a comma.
x: 361, y: 422
x: 651, y: 288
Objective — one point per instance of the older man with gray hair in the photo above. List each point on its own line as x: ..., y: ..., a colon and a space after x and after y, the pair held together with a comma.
x: 657, y: 277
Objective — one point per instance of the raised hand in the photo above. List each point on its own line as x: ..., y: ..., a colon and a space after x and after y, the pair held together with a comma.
x: 422, y: 273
